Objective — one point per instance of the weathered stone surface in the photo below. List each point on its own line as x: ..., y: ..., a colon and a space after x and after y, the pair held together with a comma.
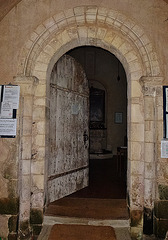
x: 36, y: 216
x: 161, y: 209
x: 4, y: 226
x: 148, y: 221
x: 122, y: 35
x: 136, y: 218
x: 163, y: 192
x: 13, y: 224
x: 160, y: 228
x: 9, y: 206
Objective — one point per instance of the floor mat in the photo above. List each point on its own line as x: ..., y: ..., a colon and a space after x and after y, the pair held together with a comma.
x: 76, y: 232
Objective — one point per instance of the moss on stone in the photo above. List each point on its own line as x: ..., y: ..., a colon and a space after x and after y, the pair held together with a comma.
x: 161, y: 209
x: 160, y: 228
x: 36, y: 229
x: 12, y: 237
x: 36, y: 216
x: 24, y: 225
x: 163, y: 192
x: 9, y: 206
x: 136, y: 218
x: 25, y: 232
x: 13, y: 224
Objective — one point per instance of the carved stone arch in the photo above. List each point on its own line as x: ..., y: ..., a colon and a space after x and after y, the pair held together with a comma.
x: 92, y: 26
x: 89, y: 25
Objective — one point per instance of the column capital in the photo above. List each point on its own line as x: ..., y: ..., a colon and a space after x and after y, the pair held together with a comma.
x: 151, y: 86
x: 27, y: 84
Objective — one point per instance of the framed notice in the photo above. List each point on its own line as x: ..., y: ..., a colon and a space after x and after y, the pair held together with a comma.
x: 8, y: 127
x: 11, y: 94
x: 9, y: 103
x: 118, y: 118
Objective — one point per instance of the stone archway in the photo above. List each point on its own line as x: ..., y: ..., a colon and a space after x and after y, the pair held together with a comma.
x: 110, y: 30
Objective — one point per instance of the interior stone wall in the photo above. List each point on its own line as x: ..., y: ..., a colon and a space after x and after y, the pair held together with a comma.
x: 34, y: 44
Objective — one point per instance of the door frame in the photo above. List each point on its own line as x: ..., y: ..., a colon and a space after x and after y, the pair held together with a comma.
x: 132, y: 47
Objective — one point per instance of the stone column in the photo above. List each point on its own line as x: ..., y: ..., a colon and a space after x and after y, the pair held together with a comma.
x: 152, y: 91
x: 25, y: 116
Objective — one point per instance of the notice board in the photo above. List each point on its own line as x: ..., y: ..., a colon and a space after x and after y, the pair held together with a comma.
x: 9, y: 96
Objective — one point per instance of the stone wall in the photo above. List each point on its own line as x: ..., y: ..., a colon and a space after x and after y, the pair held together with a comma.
x: 34, y: 35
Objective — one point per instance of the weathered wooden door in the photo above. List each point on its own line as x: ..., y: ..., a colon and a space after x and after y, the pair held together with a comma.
x: 68, y: 137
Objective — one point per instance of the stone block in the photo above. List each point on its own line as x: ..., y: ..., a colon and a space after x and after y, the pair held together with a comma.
x: 39, y: 140
x: 79, y: 10
x: 3, y: 187
x: 26, y: 151
x: 136, y: 190
x: 38, y: 153
x: 125, y: 48
x: 27, y: 126
x: 137, y: 113
x: 135, y: 66
x: 131, y: 56
x: 149, y: 108
x: 149, y: 170
x: 24, y: 209
x: 9, y: 206
x: 136, y: 233
x: 160, y: 227
x: 25, y: 166
x: 12, y: 236
x: 136, y: 152
x: 148, y: 192
x: 136, y: 218
x: 163, y: 192
x: 36, y: 216
x: 39, y: 113
x: 36, y: 230
x: 161, y: 209
x: 41, y: 67
x: 4, y: 226
x: 40, y: 91
x: 137, y: 167
x: 83, y: 33
x: 38, y: 182
x: 4, y: 151
x: 25, y: 230
x: 37, y: 167
x: 137, y: 132
x: 26, y: 180
x: 28, y: 106
x: 13, y: 224
x: 117, y: 41
x: 37, y: 200
x: 109, y: 36
x: 148, y: 221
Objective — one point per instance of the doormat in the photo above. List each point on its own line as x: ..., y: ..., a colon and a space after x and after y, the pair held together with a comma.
x: 82, y: 232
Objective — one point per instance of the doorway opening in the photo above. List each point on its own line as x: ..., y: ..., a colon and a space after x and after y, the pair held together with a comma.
x: 107, y: 123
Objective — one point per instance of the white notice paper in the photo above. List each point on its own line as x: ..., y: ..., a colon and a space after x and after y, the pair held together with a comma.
x: 6, y: 110
x: 11, y: 94
x: 8, y: 127
x: 166, y: 99
x: 164, y: 148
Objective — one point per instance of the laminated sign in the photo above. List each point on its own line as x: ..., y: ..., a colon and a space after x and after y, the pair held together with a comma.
x: 9, y: 96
